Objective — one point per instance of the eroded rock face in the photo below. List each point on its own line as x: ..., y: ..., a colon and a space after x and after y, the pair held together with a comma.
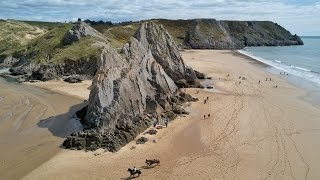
x: 166, y: 53
x: 213, y: 34
x: 131, y: 91
x: 80, y: 29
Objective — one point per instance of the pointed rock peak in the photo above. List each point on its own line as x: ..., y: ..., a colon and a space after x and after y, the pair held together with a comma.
x: 81, y: 29
x: 164, y: 50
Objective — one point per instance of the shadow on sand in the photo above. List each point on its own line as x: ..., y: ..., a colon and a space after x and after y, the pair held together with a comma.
x: 64, y: 124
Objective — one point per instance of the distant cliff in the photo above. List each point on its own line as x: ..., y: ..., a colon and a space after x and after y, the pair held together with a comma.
x: 212, y: 34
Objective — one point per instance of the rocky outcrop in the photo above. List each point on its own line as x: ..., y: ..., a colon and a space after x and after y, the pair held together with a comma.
x: 133, y: 90
x: 7, y: 61
x: 80, y: 29
x: 86, y: 66
x: 213, y: 34
x: 166, y: 53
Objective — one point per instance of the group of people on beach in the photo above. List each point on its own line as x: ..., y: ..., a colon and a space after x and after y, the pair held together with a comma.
x: 204, y: 102
x: 284, y: 73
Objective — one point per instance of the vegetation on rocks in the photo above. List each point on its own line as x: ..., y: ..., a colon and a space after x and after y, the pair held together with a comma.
x: 15, y: 34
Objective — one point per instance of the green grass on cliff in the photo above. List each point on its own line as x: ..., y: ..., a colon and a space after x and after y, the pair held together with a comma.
x: 82, y: 49
x: 49, y: 49
x: 16, y: 34
x: 176, y: 28
x: 120, y: 34
x: 274, y: 30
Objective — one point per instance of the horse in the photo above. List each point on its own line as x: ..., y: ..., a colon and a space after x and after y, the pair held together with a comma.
x: 133, y: 172
x: 152, y: 161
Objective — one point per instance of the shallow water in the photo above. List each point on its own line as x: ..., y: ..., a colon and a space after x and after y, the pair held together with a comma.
x: 301, y: 63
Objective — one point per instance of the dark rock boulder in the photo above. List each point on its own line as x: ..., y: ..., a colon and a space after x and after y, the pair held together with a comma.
x: 73, y: 79
x: 85, y: 67
x: 142, y: 140
x: 200, y: 75
x: 7, y: 61
x: 151, y: 132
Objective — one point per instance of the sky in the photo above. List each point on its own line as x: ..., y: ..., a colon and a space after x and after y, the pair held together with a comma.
x: 300, y: 17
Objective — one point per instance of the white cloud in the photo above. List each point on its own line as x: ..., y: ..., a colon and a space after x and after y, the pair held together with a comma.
x: 298, y: 17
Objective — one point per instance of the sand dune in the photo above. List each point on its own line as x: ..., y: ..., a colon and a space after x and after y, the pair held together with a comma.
x: 255, y: 131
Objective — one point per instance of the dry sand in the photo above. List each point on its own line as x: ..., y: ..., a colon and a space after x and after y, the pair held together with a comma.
x: 78, y: 90
x: 255, y: 132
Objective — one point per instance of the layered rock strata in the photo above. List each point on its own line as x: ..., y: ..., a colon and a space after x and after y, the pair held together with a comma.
x: 133, y: 90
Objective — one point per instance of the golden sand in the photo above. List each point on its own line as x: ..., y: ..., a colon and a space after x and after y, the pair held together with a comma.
x: 255, y: 131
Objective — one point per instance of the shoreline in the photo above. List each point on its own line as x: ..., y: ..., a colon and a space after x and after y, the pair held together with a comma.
x: 311, y: 89
x: 240, y: 139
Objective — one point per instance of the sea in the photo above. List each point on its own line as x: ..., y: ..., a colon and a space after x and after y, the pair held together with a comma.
x: 301, y: 63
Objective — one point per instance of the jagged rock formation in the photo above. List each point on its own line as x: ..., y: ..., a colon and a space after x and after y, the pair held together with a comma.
x: 81, y: 29
x: 131, y: 91
x: 166, y: 53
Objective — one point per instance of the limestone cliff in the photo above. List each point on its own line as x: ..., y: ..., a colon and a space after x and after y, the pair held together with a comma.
x: 132, y: 90
x: 213, y: 34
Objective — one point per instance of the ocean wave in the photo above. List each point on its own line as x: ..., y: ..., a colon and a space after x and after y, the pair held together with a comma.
x: 288, y: 68
x: 303, y: 69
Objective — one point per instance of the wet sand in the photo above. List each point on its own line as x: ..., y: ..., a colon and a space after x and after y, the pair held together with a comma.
x: 255, y: 131
x: 33, y: 124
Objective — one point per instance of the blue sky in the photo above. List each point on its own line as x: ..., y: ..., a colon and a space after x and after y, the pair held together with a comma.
x: 298, y: 16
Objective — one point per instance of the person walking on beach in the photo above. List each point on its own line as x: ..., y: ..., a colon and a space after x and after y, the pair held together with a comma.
x: 208, y: 115
x: 259, y: 81
x: 204, y: 116
x: 166, y: 123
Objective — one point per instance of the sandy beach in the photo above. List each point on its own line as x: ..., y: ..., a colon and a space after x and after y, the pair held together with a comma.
x: 255, y: 131
x: 77, y: 90
x: 33, y: 124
